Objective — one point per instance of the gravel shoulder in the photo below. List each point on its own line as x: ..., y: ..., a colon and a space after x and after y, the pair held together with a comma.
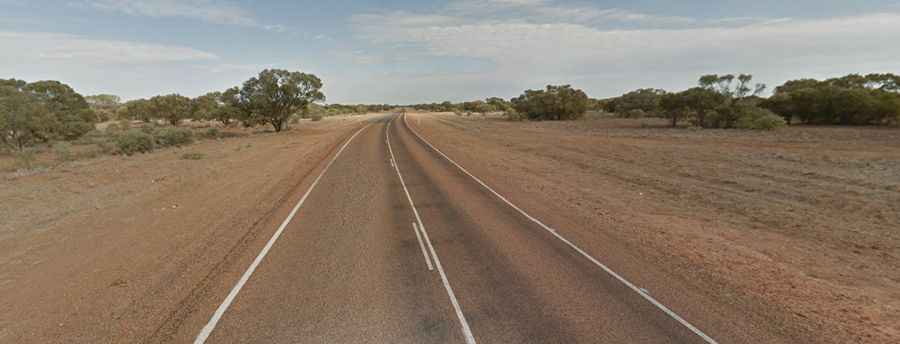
x: 796, y: 228
x: 112, y: 247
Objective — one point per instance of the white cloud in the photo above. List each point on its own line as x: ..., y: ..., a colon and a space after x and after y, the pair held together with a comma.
x: 126, y: 68
x: 211, y: 11
x: 544, y: 11
x: 49, y: 47
x: 609, y: 61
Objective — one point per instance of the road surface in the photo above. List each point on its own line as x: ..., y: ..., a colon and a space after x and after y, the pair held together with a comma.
x: 394, y: 243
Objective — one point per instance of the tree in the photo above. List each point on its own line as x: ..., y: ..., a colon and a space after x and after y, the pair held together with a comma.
x: 553, y: 103
x: 24, y: 119
x: 104, y: 105
x: 849, y: 100
x: 73, y: 115
x: 724, y: 85
x: 645, y: 100
x: 14, y: 83
x: 205, y: 107
x: 275, y: 94
x: 103, y: 100
x: 139, y: 109
x: 697, y: 101
x: 497, y: 104
x: 476, y: 106
x: 172, y: 108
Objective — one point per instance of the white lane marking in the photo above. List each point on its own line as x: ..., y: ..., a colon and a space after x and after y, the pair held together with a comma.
x: 612, y: 273
x: 422, y: 246
x: 207, y: 330
x: 467, y: 332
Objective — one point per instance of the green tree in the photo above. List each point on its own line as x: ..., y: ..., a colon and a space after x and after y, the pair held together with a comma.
x: 173, y: 108
x: 73, y: 115
x: 139, y: 109
x: 646, y: 100
x: 497, y: 104
x: 553, y: 103
x: 698, y: 102
x: 275, y: 94
x: 24, y: 119
x: 104, y: 105
x: 205, y: 107
x: 725, y: 85
x: 102, y: 101
x: 849, y: 100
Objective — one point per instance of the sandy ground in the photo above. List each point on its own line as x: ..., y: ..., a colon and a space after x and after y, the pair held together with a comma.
x: 798, y: 227
x: 111, y: 247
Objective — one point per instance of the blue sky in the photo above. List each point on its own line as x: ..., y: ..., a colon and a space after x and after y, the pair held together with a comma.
x: 424, y: 51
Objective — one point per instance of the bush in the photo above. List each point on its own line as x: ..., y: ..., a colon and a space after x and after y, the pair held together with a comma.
x: 174, y: 136
x: 193, y: 156
x: 635, y: 113
x: 552, y: 103
x: 212, y: 133
x: 113, y: 128
x: 63, y: 151
x: 26, y: 158
x: 316, y: 117
x: 134, y: 141
x: 513, y: 115
x: 759, y: 119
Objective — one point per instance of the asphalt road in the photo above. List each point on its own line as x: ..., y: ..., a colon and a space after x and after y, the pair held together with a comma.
x: 350, y: 266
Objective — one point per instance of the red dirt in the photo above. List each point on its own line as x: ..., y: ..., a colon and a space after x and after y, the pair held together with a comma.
x: 795, y: 226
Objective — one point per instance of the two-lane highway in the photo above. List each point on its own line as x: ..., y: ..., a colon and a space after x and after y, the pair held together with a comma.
x: 352, y: 264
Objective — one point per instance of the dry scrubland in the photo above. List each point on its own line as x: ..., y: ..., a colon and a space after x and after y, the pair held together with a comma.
x: 115, y: 242
x: 798, y: 226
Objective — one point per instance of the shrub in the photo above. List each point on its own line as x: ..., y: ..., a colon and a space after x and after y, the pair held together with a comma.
x: 113, y: 128
x: 212, y: 133
x: 552, y: 103
x: 647, y: 100
x: 193, y: 156
x: 636, y: 113
x: 134, y: 141
x: 174, y: 136
x: 758, y: 119
x: 63, y: 151
x: 513, y: 115
x: 316, y: 117
x: 25, y: 158
x: 149, y: 128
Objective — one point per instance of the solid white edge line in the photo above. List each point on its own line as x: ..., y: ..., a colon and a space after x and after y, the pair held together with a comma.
x: 467, y: 332
x: 214, y: 320
x: 422, y: 246
x: 612, y: 273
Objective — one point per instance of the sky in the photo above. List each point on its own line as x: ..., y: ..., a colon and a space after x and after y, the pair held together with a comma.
x: 416, y: 51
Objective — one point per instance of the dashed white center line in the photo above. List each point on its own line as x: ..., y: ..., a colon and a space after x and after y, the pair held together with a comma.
x: 467, y: 332
x: 422, y: 246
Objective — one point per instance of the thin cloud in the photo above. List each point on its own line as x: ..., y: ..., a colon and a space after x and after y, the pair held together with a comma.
x: 543, y: 11
x: 609, y: 61
x: 210, y: 11
x: 30, y: 46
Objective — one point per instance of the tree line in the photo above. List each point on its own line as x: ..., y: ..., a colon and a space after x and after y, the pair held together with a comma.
x: 45, y: 111
x: 555, y: 102
x: 729, y: 101
x: 270, y: 98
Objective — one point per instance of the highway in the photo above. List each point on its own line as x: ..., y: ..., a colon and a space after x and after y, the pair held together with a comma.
x: 394, y: 242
